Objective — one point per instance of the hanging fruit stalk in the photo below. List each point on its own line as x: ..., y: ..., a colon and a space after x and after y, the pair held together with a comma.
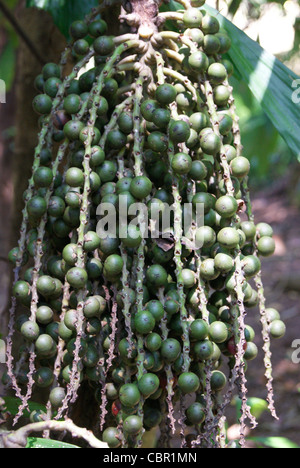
x: 146, y: 134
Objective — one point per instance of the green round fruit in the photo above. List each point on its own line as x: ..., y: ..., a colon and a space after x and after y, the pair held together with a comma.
x: 210, y: 143
x: 210, y: 24
x: 212, y: 46
x: 116, y: 139
x: 179, y: 131
x: 156, y: 309
x: 42, y: 104
x: 77, y: 277
x: 30, y: 330
x: 141, y: 187
x: 277, y: 329
x: 72, y: 129
x: 264, y: 230
x: 91, y: 241
x: 46, y: 285
x: 71, y: 319
x: 221, y: 94
x: 226, y: 206
x: 43, y: 377
x: 251, y: 351
x: 78, y: 29
x: 51, y: 86
x: 192, y: 18
x: 57, y: 396
x: 56, y: 207
x: 195, y: 413
x: 251, y: 265
x: 104, y: 45
x: 97, y: 28
x: 153, y: 342
x: 43, y: 177
x: 228, y: 238
x: 198, y: 171
x: 208, y: 271
x: 204, y: 350
x: 81, y: 47
x: 224, y: 263
x: 44, y: 344
x: 129, y: 395
x: 272, y: 314
x: 217, y: 73
x: 249, y: 229
x: 147, y: 109
x: 172, y: 307
x: 198, y: 61
x: 240, y: 167
x: 205, y: 199
x: 36, y: 207
x: 112, y: 437
x: 107, y: 171
x: 161, y: 118
x: 133, y: 425
x: 188, y: 278
x: 113, y: 265
x: 133, y: 237
x: 170, y: 350
x: 218, y: 332
x: 199, y: 330
x: 44, y: 315
x: 218, y: 381
x: 21, y: 290
x: 72, y: 104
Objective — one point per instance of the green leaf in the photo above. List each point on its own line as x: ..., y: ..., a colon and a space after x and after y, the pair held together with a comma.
x: 64, y: 12
x: 8, y: 64
x: 271, y: 82
x: 38, y: 443
x: 12, y: 406
x: 275, y: 442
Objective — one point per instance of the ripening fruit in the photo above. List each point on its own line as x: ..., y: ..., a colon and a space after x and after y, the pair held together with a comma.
x: 42, y: 104
x: 266, y: 246
x: 147, y: 133
x: 188, y: 382
x: 165, y: 94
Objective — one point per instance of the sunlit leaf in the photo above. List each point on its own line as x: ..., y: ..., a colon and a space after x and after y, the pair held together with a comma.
x: 38, y: 443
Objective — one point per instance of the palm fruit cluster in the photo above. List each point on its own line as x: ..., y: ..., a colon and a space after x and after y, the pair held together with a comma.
x: 157, y: 327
